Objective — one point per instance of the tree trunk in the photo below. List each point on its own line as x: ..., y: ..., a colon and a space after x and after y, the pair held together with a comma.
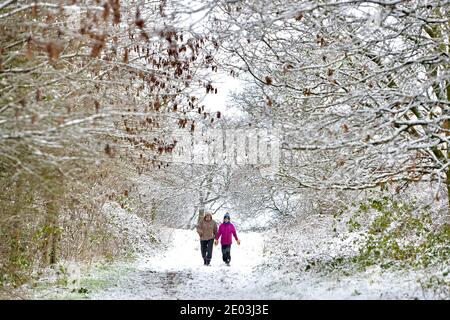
x: 448, y: 189
x: 447, y: 134
x: 51, y: 229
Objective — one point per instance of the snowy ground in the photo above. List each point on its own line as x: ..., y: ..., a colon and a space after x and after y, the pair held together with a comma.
x: 267, y: 265
x: 274, y: 264
x: 179, y: 273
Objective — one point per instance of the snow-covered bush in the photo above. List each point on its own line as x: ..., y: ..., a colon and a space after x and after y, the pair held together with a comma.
x: 402, y: 234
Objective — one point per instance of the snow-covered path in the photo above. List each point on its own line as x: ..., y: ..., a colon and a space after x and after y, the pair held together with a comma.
x: 179, y: 272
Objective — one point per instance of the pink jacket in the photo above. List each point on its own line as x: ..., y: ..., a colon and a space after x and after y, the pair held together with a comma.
x: 226, y: 230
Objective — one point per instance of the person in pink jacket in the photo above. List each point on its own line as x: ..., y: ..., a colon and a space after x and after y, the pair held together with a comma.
x: 226, y: 231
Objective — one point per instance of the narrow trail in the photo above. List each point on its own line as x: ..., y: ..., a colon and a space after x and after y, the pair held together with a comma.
x: 179, y: 272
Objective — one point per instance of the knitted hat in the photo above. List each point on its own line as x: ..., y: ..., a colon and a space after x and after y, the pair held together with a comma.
x: 226, y: 216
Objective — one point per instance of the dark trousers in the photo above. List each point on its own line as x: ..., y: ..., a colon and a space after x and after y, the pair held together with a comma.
x: 226, y: 253
x: 206, y: 248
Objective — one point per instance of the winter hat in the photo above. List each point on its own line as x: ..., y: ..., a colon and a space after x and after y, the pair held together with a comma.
x: 226, y: 216
x: 207, y: 215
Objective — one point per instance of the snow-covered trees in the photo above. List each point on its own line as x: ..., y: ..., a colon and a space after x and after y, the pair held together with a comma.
x: 93, y: 93
x: 362, y: 87
x: 89, y: 93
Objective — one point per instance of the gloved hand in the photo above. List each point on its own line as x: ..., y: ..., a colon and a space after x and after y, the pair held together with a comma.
x: 216, y: 242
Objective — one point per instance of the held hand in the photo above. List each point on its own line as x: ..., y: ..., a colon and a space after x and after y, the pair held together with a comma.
x: 216, y: 242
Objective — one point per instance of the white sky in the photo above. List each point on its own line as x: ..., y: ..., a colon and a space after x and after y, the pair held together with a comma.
x: 225, y: 85
x: 221, y: 80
